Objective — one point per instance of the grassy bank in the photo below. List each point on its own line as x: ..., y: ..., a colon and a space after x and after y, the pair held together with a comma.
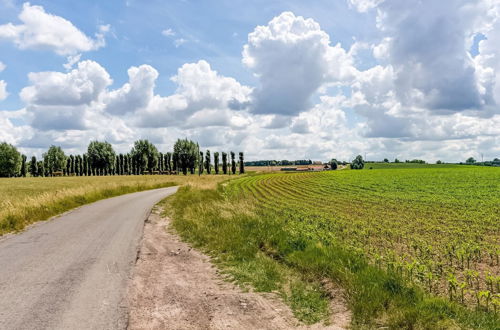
x: 27, y: 200
x: 292, y: 233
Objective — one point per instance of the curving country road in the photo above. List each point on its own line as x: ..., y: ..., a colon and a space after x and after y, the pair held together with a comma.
x: 71, y: 272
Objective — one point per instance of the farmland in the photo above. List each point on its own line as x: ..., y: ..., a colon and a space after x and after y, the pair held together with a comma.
x: 27, y: 200
x: 411, y: 247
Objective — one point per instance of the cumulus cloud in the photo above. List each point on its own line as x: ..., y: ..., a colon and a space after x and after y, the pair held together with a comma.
x: 80, y: 86
x: 60, y: 101
x: 427, y: 44
x: 292, y: 58
x: 135, y: 94
x: 45, y: 31
x: 200, y: 89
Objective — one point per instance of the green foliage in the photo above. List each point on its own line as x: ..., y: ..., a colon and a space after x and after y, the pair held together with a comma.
x: 216, y: 162
x: 386, y: 160
x: 242, y: 163
x: 333, y: 164
x: 168, y: 162
x: 41, y: 168
x: 23, y: 166
x: 470, y: 160
x: 54, y: 160
x: 33, y: 167
x: 145, y: 155
x: 208, y: 165
x: 72, y: 164
x: 201, y: 164
x: 358, y: 163
x: 224, y: 163
x: 233, y: 163
x: 10, y: 160
x: 101, y: 156
x: 185, y: 155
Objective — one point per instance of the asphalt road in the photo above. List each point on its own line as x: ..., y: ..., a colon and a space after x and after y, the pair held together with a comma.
x: 71, y: 272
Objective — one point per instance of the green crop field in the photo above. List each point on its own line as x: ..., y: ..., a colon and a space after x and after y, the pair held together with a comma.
x: 412, y: 247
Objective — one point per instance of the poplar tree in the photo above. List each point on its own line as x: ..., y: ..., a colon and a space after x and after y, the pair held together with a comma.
x: 242, y: 164
x: 68, y: 165
x: 126, y: 164
x: 33, y: 167
x: 86, y: 168
x: 233, y: 163
x: 200, y: 164
x: 207, y: 161
x: 23, y: 166
x: 72, y: 168
x: 41, y: 169
x: 168, y: 159
x: 117, y: 166
x: 224, y: 162
x: 77, y: 165
x: 216, y: 162
x: 160, y: 163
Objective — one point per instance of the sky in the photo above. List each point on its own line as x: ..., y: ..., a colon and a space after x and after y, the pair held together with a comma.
x: 275, y: 79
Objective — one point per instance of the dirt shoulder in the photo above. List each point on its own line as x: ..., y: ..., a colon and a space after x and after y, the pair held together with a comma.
x: 177, y: 287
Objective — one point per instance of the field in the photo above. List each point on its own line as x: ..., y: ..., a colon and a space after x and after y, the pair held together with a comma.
x: 27, y: 200
x: 411, y: 247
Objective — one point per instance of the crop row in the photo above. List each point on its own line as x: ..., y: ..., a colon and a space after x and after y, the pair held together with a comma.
x: 439, y: 228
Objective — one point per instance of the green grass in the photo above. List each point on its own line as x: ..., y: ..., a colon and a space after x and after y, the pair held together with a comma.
x: 390, y: 238
x: 27, y: 200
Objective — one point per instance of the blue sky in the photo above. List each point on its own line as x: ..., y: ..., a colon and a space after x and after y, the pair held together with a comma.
x: 317, y: 79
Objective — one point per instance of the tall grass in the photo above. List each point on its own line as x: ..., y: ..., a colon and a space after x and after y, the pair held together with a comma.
x: 26, y: 200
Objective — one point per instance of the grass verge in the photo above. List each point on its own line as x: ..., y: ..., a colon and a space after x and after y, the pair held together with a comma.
x: 254, y: 248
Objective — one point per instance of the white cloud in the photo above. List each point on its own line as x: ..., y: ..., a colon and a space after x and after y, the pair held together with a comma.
x: 179, y: 42
x: 41, y: 30
x: 3, y: 84
x: 199, y: 89
x: 135, y: 94
x: 3, y: 90
x: 427, y: 43
x: 168, y: 32
x: 63, y: 101
x: 78, y: 87
x: 292, y: 58
x: 72, y: 60
x: 364, y: 5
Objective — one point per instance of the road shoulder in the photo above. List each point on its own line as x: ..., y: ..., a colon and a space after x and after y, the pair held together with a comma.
x: 176, y: 287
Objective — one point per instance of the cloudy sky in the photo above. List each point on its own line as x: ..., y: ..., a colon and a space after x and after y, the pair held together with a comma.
x: 277, y: 79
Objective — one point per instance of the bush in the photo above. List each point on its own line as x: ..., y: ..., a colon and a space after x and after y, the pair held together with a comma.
x: 358, y: 163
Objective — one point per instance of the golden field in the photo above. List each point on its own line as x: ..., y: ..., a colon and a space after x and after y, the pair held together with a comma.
x: 27, y: 200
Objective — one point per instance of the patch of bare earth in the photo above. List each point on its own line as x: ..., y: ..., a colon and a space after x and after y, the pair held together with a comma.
x: 177, y: 287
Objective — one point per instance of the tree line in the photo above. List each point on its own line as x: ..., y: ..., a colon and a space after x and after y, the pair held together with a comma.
x: 101, y: 159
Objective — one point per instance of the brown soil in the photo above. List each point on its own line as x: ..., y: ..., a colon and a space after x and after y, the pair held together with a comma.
x: 177, y: 287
